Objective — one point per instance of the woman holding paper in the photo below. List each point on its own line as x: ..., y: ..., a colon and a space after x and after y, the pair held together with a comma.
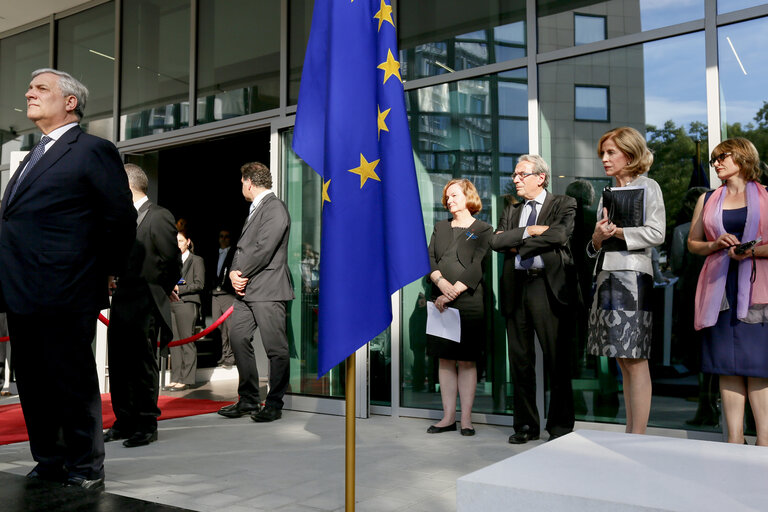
x: 457, y: 253
x: 732, y: 295
x: 620, y: 319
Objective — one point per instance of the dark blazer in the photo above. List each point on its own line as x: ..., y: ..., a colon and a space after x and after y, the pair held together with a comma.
x: 221, y: 280
x: 154, y: 261
x: 262, y: 252
x: 69, y: 226
x: 471, y: 251
x: 558, y: 213
x: 193, y: 275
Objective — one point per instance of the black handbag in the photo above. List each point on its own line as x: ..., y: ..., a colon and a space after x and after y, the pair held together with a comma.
x: 626, y: 209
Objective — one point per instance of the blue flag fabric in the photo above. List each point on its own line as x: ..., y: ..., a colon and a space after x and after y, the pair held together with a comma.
x: 352, y: 129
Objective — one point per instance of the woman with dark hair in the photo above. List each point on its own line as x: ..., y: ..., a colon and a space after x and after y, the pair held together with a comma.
x: 457, y: 253
x: 184, y: 315
x: 620, y: 319
x: 732, y: 294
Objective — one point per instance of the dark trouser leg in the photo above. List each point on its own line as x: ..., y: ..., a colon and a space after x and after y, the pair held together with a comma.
x: 220, y: 304
x: 3, y: 348
x: 270, y: 317
x: 522, y: 364
x: 59, y: 390
x: 242, y: 327
x: 133, y: 369
x: 183, y: 357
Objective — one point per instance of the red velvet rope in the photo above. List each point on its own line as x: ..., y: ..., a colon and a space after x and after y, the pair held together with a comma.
x: 175, y: 343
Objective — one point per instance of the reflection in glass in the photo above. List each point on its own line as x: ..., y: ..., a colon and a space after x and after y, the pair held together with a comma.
x: 86, y: 50
x: 735, y: 5
x: 20, y: 55
x: 473, y: 129
x: 658, y: 88
x: 563, y: 24
x: 591, y: 103
x: 442, y: 36
x: 155, y: 68
x: 303, y: 198
x: 237, y: 73
x: 299, y: 23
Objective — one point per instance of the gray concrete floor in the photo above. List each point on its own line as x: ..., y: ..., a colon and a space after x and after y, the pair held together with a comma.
x: 211, y: 463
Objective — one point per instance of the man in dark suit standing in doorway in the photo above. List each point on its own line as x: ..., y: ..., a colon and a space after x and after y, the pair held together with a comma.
x: 538, y: 288
x: 262, y: 283
x: 222, y: 293
x: 141, y: 309
x: 66, y: 225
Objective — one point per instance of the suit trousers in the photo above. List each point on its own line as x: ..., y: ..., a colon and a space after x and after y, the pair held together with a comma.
x: 183, y: 357
x: 133, y: 369
x: 538, y: 312
x: 3, y: 348
x: 59, y: 390
x: 219, y: 304
x: 269, y: 317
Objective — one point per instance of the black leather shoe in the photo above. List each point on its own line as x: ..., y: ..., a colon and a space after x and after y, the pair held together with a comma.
x: 552, y: 437
x: 434, y: 429
x: 522, y: 437
x: 140, y: 439
x: 467, y: 431
x: 239, y: 409
x: 96, y: 485
x: 114, y: 435
x: 266, y: 414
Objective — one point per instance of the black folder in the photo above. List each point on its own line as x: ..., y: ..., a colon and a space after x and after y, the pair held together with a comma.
x: 626, y: 209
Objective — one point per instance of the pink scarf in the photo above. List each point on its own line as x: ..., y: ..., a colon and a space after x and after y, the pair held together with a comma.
x: 711, y: 287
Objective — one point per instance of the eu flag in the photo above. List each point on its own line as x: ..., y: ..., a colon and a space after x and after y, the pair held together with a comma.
x: 352, y: 129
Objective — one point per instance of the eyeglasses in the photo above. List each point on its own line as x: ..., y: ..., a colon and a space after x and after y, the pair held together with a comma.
x: 522, y: 175
x: 719, y: 159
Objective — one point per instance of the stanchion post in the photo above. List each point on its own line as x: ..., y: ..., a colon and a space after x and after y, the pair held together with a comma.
x: 349, y: 467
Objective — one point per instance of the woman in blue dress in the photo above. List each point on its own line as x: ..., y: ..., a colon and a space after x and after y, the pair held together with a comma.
x: 732, y: 294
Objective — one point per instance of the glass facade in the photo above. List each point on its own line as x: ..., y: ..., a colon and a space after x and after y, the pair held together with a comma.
x: 231, y: 60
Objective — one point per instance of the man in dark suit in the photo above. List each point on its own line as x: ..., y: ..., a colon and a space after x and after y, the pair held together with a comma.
x: 140, y: 310
x: 538, y: 284
x: 66, y: 224
x: 222, y: 293
x: 262, y: 283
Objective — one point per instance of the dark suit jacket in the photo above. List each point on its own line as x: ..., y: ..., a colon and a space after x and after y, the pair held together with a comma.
x: 262, y: 252
x: 558, y: 213
x: 193, y: 274
x: 470, y: 251
x: 154, y: 262
x: 221, y: 280
x: 69, y: 226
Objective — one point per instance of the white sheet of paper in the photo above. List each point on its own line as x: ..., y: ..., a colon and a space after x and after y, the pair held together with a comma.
x: 444, y: 325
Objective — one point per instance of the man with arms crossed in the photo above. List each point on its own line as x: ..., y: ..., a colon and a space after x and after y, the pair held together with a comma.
x: 66, y: 224
x: 262, y: 283
x: 538, y: 288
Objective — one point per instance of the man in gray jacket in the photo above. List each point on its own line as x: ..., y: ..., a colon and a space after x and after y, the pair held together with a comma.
x: 262, y: 282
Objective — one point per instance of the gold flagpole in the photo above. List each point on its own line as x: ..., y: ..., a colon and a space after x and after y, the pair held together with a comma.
x: 349, y: 467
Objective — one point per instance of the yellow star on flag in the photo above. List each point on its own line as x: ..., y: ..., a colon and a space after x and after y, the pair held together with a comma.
x: 390, y: 67
x: 366, y: 170
x: 382, y: 120
x: 384, y: 14
x: 326, y: 197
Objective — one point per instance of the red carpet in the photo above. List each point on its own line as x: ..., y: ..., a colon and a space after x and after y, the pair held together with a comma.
x: 13, y: 429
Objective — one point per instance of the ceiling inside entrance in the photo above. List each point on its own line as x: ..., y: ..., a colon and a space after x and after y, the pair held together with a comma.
x: 15, y: 13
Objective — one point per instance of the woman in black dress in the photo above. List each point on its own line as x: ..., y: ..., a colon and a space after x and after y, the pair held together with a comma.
x: 732, y: 295
x: 457, y: 252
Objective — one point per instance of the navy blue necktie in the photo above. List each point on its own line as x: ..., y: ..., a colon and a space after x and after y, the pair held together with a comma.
x: 528, y: 262
x: 37, y: 153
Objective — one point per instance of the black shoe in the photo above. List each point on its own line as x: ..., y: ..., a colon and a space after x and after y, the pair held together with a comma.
x: 239, y: 409
x: 434, y: 429
x: 266, y: 414
x: 552, y: 437
x: 523, y: 437
x: 183, y: 387
x: 40, y: 474
x: 140, y: 439
x: 467, y: 431
x: 96, y: 485
x: 113, y: 435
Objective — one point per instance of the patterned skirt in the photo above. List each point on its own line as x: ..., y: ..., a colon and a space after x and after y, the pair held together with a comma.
x: 620, y: 320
